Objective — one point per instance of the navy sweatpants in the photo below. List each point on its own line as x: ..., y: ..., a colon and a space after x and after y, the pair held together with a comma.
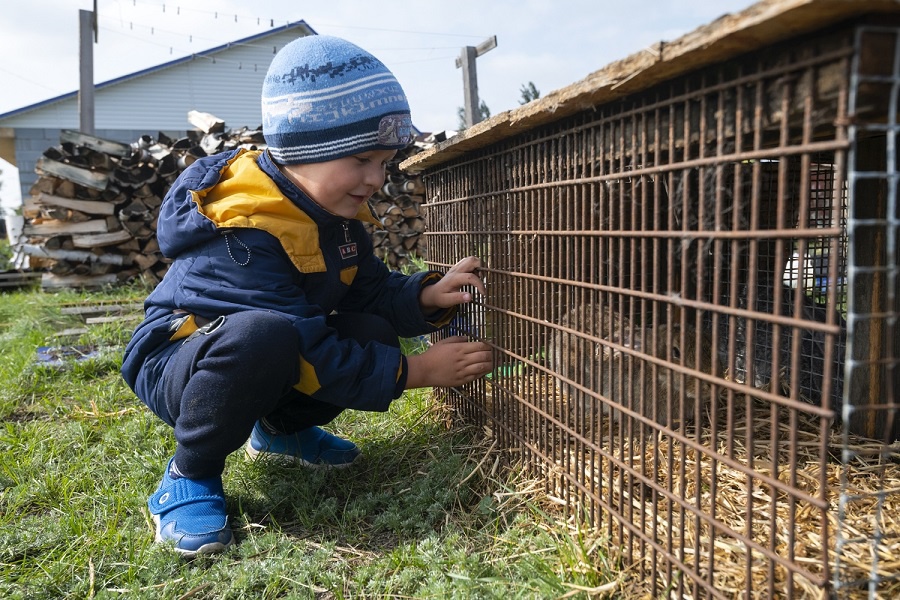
x: 219, y: 383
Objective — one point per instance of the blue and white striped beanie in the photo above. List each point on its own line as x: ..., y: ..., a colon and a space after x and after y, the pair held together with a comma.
x: 324, y: 98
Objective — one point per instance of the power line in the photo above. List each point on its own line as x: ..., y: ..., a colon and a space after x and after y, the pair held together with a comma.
x: 180, y: 44
x: 191, y: 38
x: 418, y: 60
x: 192, y: 52
x: 177, y: 9
x: 25, y: 79
x: 466, y: 35
x: 214, y: 42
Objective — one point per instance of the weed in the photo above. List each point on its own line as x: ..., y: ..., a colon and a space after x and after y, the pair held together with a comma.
x: 5, y: 255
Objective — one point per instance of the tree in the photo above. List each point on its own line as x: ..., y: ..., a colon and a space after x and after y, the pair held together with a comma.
x: 529, y: 92
x: 461, y: 113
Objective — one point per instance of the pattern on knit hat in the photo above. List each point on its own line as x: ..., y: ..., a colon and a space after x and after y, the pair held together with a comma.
x: 325, y: 98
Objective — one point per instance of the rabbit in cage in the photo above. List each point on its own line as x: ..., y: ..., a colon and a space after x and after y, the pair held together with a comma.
x: 618, y: 375
x: 809, y: 362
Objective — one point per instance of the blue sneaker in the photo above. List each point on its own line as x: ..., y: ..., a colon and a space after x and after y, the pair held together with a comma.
x: 191, y: 513
x: 313, y: 447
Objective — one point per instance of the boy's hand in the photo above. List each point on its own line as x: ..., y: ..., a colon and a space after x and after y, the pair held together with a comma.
x: 448, y: 291
x: 448, y: 363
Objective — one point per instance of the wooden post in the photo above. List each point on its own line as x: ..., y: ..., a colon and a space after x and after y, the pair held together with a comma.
x: 870, y: 383
x: 86, y: 32
x: 466, y: 62
x: 470, y: 85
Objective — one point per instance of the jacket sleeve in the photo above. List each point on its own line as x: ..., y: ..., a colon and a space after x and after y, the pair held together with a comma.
x: 394, y: 296
x: 224, y: 277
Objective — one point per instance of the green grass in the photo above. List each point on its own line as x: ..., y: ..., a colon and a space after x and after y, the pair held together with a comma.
x: 423, y: 516
x: 5, y: 255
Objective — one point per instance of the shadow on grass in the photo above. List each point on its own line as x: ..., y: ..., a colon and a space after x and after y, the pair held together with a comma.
x: 400, y: 489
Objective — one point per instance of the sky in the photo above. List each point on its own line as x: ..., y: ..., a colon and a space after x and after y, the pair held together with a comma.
x: 551, y: 43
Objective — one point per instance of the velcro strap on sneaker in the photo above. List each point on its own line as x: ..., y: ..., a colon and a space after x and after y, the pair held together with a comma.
x: 184, y: 491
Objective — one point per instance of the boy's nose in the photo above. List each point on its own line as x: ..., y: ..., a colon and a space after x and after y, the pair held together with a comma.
x: 375, y: 176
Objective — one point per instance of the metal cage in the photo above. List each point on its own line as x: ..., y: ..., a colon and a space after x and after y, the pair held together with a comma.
x: 693, y: 294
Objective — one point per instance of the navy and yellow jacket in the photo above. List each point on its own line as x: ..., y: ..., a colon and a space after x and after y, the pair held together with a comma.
x: 243, y: 237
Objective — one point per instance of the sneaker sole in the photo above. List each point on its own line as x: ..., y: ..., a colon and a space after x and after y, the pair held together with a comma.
x: 254, y: 454
x: 211, y: 548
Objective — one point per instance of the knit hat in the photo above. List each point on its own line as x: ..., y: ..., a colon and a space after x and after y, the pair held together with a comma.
x: 324, y: 98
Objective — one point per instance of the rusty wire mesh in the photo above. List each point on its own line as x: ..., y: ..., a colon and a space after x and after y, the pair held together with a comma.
x: 674, y: 282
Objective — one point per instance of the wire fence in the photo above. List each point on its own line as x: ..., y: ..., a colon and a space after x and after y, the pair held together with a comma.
x: 693, y: 295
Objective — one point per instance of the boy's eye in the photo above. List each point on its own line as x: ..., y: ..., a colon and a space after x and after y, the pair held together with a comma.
x: 365, y: 159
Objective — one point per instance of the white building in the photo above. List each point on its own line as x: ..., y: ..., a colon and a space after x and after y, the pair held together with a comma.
x: 225, y: 81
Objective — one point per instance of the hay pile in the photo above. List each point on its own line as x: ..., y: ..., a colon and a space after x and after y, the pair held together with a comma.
x: 737, y: 511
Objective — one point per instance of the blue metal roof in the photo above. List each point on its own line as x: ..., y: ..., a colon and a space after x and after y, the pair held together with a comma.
x: 166, y: 65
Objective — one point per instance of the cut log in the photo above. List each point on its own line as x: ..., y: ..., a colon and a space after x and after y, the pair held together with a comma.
x: 152, y: 202
x: 46, y: 184
x: 71, y: 332
x: 51, y: 282
x: 97, y: 160
x: 74, y: 255
x: 18, y: 279
x: 87, y: 178
x: 66, y: 188
x: 102, y: 239
x: 143, y: 191
x: 410, y: 242
x: 59, y: 242
x: 57, y: 213
x: 113, y: 319
x: 91, y: 179
x: 159, y: 151
x: 132, y: 245
x: 138, y: 229
x: 205, y: 122
x: 416, y: 225
x: 151, y: 246
x: 135, y: 210
x: 212, y: 143
x: 92, y: 207
x: 145, y: 261
x: 96, y: 310
x: 95, y: 143
x: 56, y: 227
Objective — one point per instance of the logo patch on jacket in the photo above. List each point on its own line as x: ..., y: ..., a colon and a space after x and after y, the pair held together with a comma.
x: 348, y: 250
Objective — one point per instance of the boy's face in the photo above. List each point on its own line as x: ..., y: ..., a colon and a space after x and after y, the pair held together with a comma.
x: 341, y: 186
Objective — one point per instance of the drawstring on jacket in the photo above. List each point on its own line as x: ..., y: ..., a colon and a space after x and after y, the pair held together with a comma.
x: 228, y: 233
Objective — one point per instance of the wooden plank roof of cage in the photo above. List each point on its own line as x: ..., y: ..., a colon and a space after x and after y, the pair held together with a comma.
x: 757, y: 26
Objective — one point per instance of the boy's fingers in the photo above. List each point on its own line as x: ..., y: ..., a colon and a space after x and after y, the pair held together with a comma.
x: 479, y: 285
x: 470, y: 279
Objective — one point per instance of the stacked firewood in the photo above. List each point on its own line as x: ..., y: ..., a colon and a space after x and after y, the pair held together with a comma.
x: 91, y: 218
x: 399, y: 207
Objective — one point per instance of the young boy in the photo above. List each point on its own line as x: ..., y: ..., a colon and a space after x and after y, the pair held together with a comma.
x: 275, y: 315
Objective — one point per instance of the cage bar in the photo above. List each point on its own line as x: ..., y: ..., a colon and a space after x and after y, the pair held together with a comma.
x: 693, y: 291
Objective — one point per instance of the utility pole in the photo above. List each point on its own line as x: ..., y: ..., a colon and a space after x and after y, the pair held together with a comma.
x: 87, y: 36
x: 466, y: 61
